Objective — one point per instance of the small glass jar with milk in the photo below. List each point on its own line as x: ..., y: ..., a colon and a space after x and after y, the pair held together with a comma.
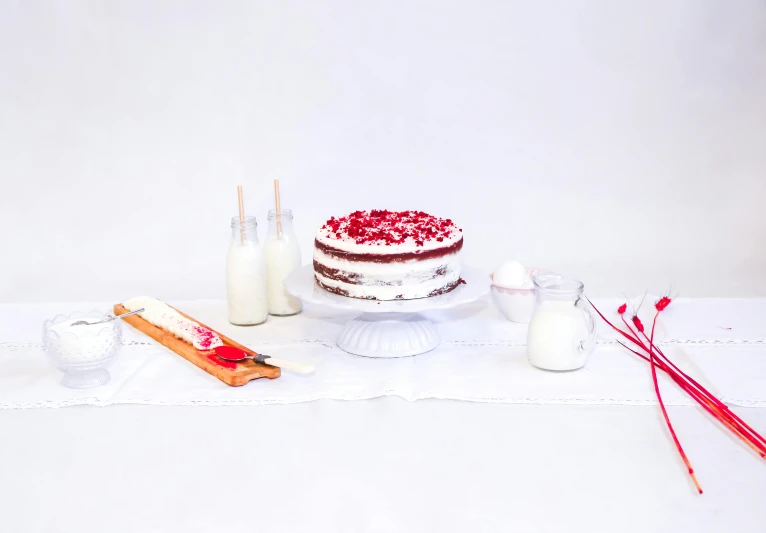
x: 562, y: 332
x: 246, y: 275
x: 283, y: 256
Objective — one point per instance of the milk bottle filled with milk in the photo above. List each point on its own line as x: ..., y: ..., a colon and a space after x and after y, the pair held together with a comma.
x: 562, y: 332
x: 246, y: 275
x: 283, y: 256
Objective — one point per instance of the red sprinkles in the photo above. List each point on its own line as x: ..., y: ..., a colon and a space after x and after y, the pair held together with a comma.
x: 205, y: 337
x: 390, y: 227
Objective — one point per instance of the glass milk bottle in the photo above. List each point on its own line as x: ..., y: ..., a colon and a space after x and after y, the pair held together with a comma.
x: 562, y: 332
x: 283, y: 256
x: 246, y: 275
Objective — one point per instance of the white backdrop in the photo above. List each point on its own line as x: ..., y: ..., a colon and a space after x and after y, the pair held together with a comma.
x: 620, y: 142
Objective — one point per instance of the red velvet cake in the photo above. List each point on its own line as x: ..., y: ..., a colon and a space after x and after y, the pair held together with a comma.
x: 388, y: 255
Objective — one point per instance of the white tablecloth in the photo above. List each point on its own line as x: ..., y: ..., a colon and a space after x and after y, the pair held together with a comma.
x: 482, y: 359
x: 385, y: 464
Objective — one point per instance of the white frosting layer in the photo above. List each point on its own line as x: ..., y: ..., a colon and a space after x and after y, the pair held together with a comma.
x: 385, y: 281
x: 390, y: 292
x: 347, y: 244
x: 408, y: 272
x: 165, y: 317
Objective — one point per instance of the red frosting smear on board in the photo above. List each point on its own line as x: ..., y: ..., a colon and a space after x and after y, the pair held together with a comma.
x: 390, y: 227
x: 220, y: 362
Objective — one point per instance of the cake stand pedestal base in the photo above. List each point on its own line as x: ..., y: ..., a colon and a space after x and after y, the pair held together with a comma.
x: 393, y: 328
x: 389, y: 335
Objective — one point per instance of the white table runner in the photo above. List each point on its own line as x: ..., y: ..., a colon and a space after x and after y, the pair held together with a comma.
x: 481, y: 359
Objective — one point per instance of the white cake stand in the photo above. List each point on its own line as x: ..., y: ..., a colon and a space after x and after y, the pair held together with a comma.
x: 388, y: 329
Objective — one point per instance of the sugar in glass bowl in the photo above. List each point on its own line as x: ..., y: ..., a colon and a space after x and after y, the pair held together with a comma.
x: 82, y: 353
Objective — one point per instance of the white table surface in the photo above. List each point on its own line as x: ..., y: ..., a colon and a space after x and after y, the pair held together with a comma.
x: 375, y: 465
x: 387, y: 464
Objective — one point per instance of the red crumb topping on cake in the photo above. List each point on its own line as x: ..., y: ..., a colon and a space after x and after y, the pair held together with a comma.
x: 390, y: 227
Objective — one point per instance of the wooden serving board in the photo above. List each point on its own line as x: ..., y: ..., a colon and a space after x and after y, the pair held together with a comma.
x: 236, y: 377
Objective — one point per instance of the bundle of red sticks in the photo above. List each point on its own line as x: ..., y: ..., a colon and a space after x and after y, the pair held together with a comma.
x: 645, y: 348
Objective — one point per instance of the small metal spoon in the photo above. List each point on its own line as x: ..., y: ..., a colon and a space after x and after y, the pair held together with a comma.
x: 84, y: 323
x: 230, y: 353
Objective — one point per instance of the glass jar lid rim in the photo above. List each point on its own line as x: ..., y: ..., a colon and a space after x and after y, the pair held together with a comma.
x: 556, y: 283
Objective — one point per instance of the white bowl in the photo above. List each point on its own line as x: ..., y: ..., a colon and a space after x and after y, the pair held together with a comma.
x: 516, y: 304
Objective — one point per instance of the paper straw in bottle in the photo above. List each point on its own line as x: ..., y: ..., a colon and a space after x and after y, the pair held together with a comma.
x: 279, y: 211
x: 241, y: 213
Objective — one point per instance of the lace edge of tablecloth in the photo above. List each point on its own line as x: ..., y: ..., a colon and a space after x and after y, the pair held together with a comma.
x: 96, y: 402
x: 15, y: 346
x: 18, y: 346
